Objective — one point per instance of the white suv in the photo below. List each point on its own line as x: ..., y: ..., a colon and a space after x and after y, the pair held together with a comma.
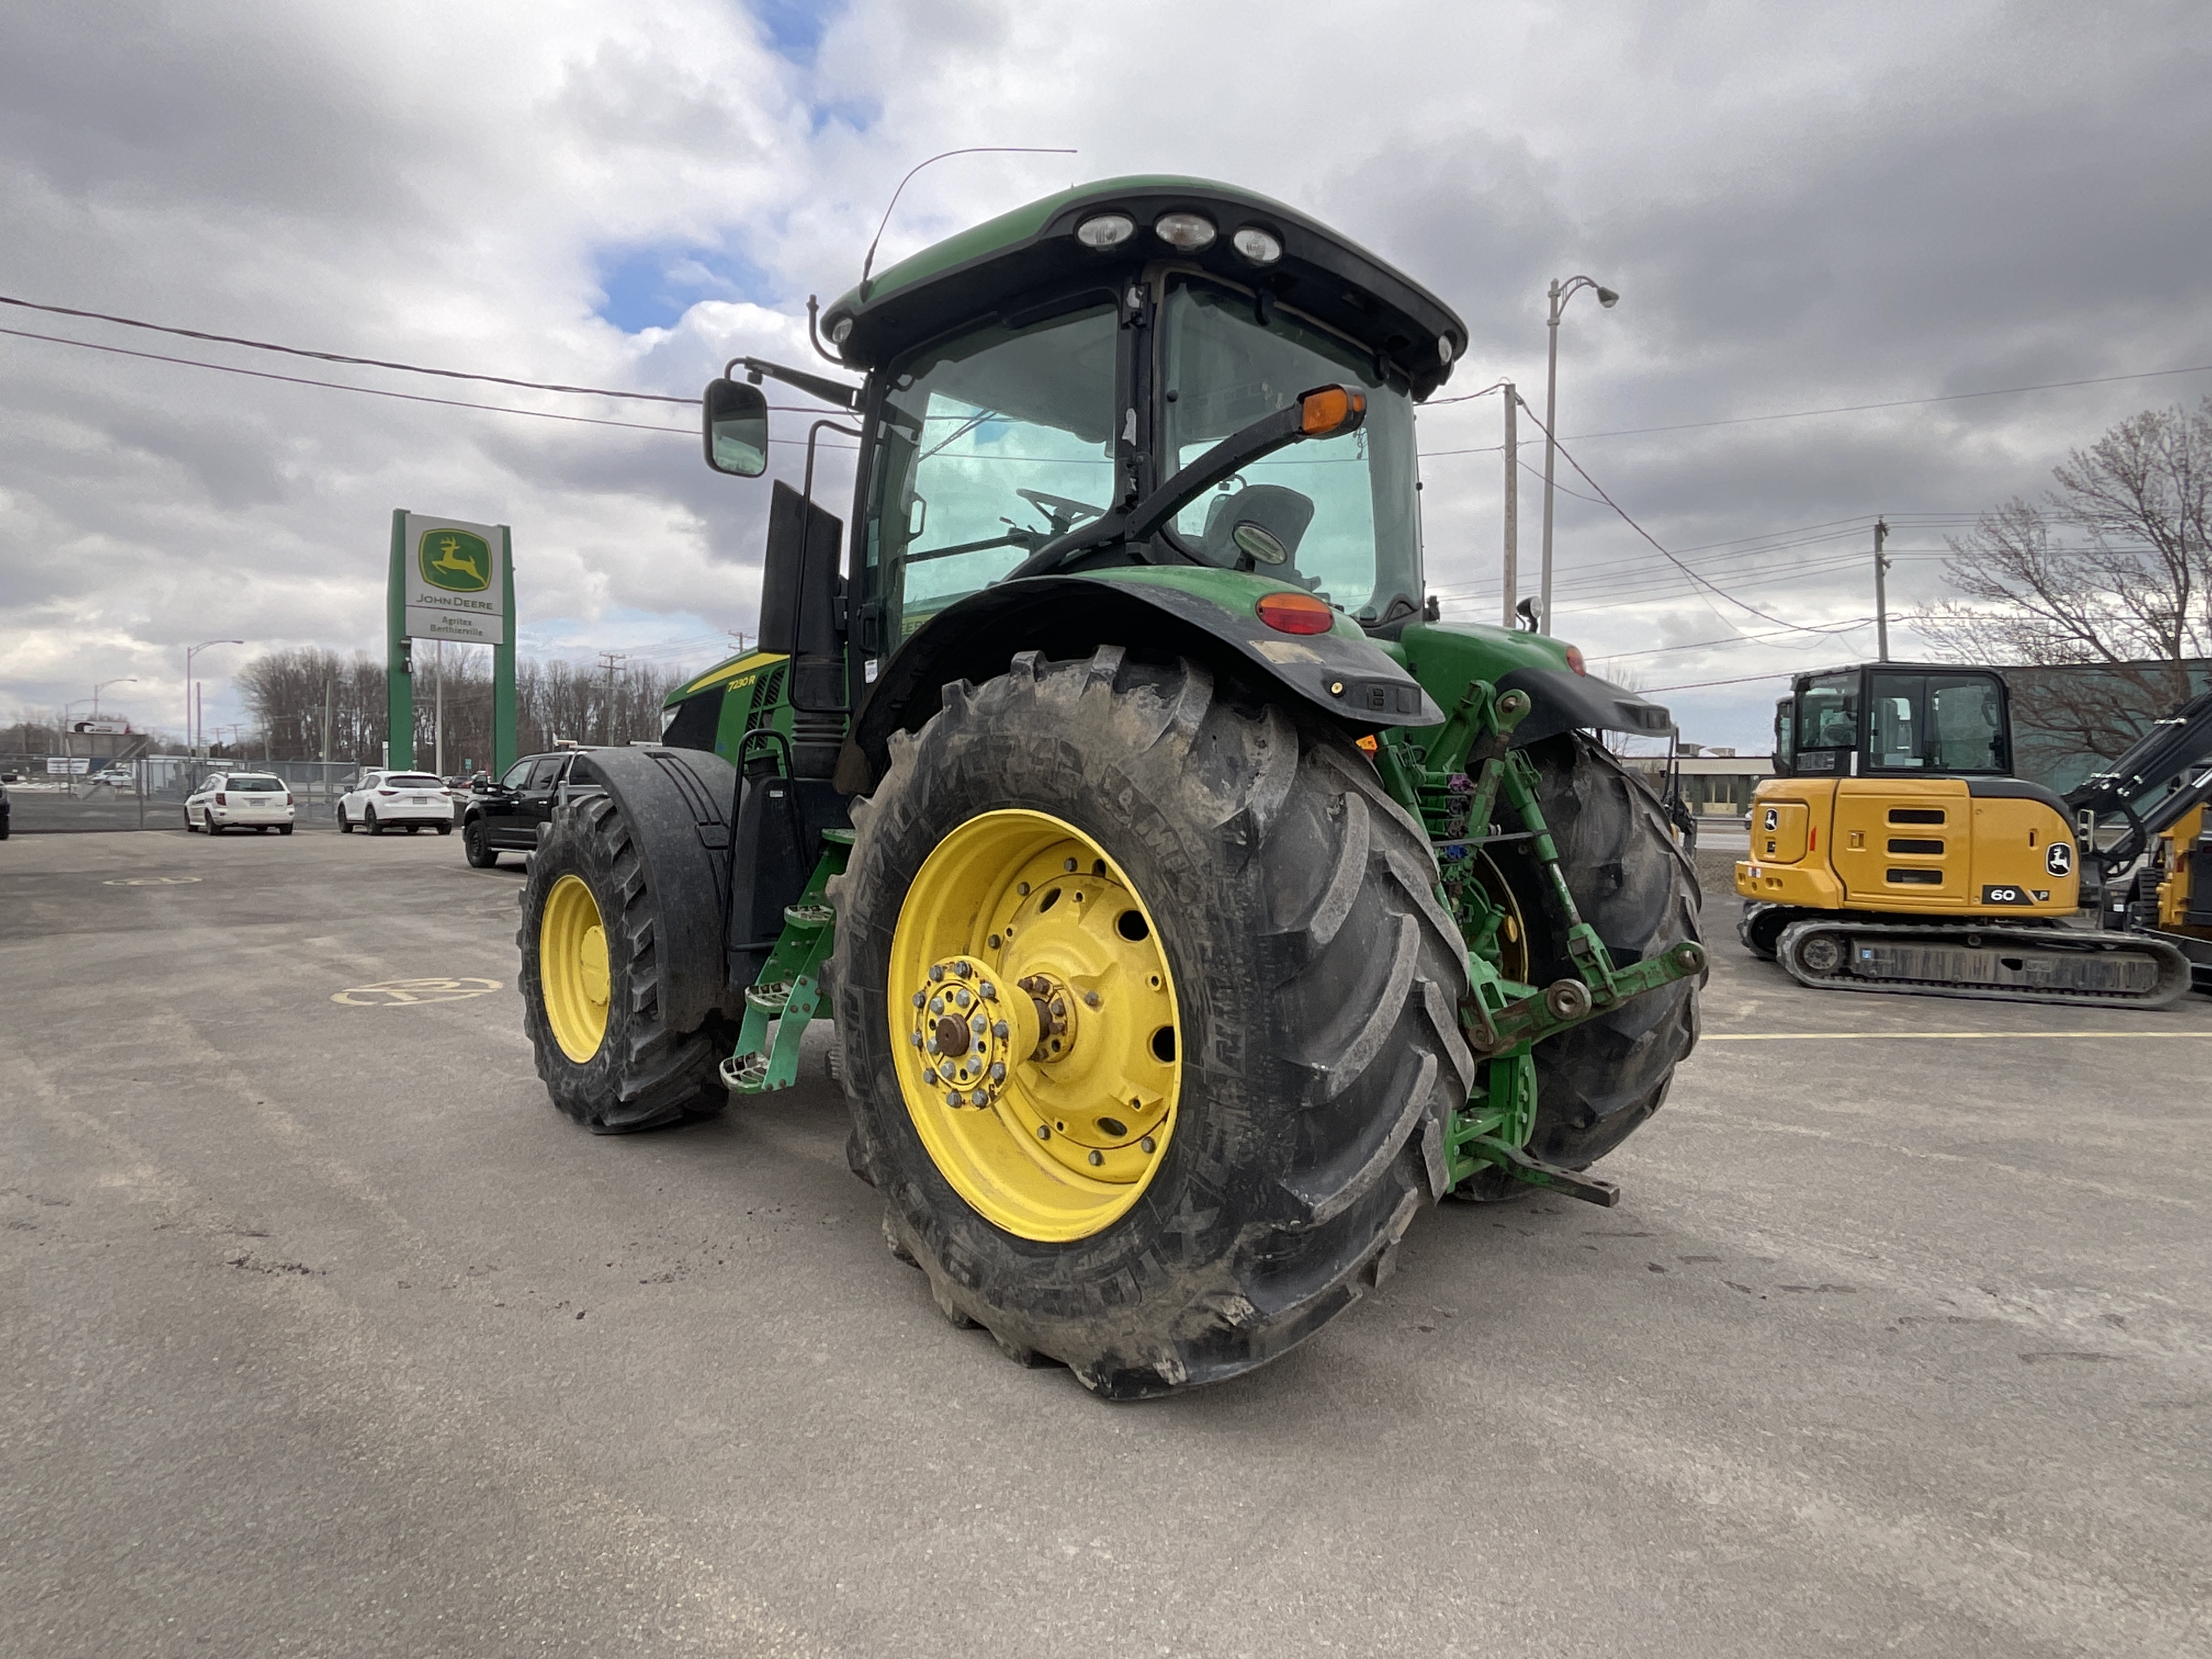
x: 240, y: 800
x: 396, y: 800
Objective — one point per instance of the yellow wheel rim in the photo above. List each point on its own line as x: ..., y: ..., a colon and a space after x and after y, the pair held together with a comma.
x: 1034, y: 1025
x: 572, y: 967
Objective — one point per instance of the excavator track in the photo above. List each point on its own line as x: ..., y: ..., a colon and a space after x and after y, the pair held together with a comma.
x: 1994, y: 964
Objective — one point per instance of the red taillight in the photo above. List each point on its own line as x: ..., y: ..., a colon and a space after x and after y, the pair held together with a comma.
x: 288, y: 798
x: 388, y: 792
x: 1296, y: 613
x: 221, y: 800
x: 1575, y: 659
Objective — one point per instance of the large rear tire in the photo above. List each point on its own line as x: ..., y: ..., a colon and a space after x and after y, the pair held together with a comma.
x: 1307, y: 983
x: 1600, y: 1080
x: 591, y: 997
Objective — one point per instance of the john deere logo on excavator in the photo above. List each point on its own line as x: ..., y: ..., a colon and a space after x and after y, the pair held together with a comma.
x: 454, y: 559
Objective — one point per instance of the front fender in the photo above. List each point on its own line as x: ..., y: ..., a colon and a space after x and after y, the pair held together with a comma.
x: 1206, y: 614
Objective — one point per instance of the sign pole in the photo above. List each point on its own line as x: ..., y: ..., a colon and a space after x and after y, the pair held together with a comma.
x: 400, y: 683
x: 503, y: 753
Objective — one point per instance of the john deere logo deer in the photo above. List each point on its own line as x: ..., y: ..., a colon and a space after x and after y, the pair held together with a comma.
x: 455, y: 560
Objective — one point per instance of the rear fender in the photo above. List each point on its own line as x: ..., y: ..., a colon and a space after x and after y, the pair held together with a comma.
x: 676, y: 804
x: 1207, y: 616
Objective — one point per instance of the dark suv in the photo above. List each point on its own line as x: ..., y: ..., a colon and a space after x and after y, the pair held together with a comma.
x: 503, y: 816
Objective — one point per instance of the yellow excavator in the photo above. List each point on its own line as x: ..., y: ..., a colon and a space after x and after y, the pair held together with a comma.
x: 1895, y: 851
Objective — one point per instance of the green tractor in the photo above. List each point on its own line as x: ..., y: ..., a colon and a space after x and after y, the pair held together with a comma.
x: 1191, y: 906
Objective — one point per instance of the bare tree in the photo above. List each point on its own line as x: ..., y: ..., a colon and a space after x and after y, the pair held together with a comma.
x: 2113, y: 568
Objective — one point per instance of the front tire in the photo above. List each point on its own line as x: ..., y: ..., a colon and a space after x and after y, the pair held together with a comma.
x: 477, y: 848
x: 591, y: 997
x: 345, y: 823
x: 1312, y: 1050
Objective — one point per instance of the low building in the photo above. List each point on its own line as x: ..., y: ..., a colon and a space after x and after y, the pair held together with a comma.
x: 1715, y: 782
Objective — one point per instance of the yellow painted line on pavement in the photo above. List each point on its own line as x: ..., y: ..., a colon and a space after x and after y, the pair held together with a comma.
x: 1969, y: 1036
x: 406, y: 992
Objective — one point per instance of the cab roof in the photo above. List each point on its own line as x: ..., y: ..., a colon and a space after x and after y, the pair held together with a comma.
x: 979, y: 271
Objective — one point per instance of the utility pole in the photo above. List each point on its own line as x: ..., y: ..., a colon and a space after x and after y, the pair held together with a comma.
x: 1512, y: 501
x: 609, y: 658
x: 1880, y: 592
x: 330, y: 710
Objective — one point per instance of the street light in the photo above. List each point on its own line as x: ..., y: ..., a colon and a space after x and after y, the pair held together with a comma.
x: 191, y: 735
x: 126, y: 679
x: 1559, y: 294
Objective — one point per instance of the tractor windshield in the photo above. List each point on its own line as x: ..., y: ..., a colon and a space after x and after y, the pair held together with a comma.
x: 991, y: 444
x: 1342, y: 509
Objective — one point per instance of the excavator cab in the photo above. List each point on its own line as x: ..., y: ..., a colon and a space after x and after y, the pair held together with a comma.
x: 1895, y: 851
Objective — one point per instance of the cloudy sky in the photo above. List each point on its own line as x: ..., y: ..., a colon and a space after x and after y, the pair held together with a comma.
x: 1804, y: 207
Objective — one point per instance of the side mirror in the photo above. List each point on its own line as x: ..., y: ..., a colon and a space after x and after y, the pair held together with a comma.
x: 736, y: 428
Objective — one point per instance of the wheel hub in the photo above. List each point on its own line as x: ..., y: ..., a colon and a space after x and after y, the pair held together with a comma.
x: 1038, y: 1047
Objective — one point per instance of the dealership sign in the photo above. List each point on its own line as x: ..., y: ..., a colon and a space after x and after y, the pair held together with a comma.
x: 454, y: 587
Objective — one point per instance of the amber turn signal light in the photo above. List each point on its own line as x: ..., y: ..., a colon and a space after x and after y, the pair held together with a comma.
x: 1330, y: 410
x: 1295, y: 613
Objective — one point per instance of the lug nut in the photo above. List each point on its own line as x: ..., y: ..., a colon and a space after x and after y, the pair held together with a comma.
x: 962, y: 968
x: 936, y: 972
x: 1044, y: 1132
x: 1148, y: 1144
x: 998, y: 1072
x: 1023, y: 888
x: 932, y: 1046
x: 961, y: 999
x: 915, y: 1038
x: 1097, y: 1158
x: 952, y: 1097
x: 988, y: 991
x: 1090, y: 998
x: 979, y: 1098
x: 1068, y: 865
x: 919, y: 998
x: 936, y: 1005
x: 1002, y: 1030
x: 1059, y: 1009
x: 979, y: 1025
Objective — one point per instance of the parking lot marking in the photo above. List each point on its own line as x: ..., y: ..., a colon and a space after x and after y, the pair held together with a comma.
x: 1830, y: 1036
x: 402, y: 993
x: 149, y: 881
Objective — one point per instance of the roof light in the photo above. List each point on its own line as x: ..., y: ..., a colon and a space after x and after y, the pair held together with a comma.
x: 1575, y: 659
x: 1330, y: 410
x: 1191, y: 232
x: 1261, y: 247
x: 1444, y: 347
x: 1293, y: 612
x: 841, y: 330
x: 1259, y: 542
x: 1106, y: 230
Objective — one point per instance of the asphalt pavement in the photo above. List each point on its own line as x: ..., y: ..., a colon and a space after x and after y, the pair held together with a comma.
x: 326, y: 1334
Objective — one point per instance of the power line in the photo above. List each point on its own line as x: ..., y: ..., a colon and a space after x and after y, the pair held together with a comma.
x: 1584, y: 474
x: 380, y: 392
x: 339, y: 357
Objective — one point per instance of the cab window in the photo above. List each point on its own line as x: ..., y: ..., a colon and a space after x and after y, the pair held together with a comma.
x: 1937, y: 723
x: 543, y: 772
x: 515, y: 775
x: 993, y: 443
x: 1828, y: 713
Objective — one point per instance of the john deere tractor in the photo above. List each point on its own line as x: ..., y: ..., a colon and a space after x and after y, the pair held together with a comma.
x: 1192, y: 907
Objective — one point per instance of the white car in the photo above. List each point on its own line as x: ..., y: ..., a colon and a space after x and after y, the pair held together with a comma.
x: 396, y: 800
x: 240, y: 800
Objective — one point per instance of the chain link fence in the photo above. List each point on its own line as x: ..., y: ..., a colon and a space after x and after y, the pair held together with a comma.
x: 58, y: 793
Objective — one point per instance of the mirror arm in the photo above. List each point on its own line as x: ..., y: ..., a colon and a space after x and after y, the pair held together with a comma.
x: 829, y: 391
x: 1141, y: 522
x: 812, y: 433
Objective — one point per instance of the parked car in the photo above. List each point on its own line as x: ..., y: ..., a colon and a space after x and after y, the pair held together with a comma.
x: 117, y: 777
x: 503, y: 816
x: 3, y: 805
x: 387, y: 800
x: 240, y: 800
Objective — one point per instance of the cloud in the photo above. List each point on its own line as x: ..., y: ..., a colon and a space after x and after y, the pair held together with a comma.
x: 1802, y: 207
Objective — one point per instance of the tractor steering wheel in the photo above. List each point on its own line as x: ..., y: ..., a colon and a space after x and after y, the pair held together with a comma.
x: 1061, y: 512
